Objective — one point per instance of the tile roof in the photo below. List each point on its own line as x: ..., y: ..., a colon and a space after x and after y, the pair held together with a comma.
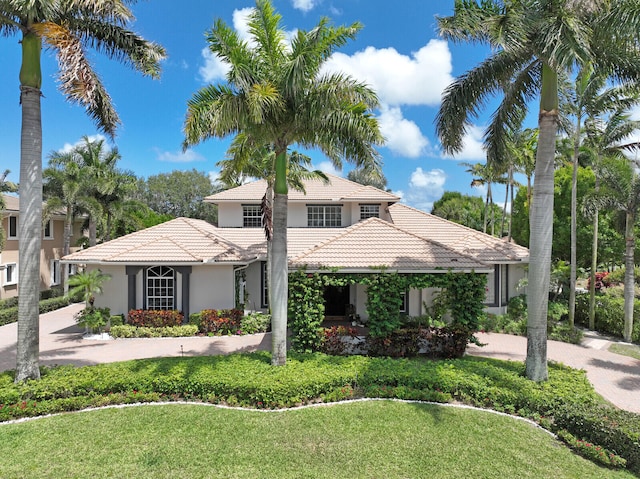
x: 338, y: 189
x: 182, y: 240
x: 465, y: 240
x: 11, y: 203
x: 377, y: 243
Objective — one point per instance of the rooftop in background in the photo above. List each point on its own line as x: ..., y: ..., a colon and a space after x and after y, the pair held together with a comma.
x: 337, y: 189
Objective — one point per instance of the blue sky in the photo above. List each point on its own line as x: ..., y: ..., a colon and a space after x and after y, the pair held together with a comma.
x: 397, y: 52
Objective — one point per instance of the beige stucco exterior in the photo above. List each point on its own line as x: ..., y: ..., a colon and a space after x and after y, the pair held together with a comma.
x: 51, y: 252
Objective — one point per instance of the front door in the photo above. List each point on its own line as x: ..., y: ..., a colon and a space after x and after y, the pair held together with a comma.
x: 336, y: 300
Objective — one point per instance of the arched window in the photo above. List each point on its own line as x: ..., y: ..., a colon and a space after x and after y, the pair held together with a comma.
x: 161, y: 282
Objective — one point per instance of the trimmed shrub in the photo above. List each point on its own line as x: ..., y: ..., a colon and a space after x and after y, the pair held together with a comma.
x: 154, y: 318
x: 613, y: 429
x: 338, y: 340
x: 305, y: 311
x: 255, y: 323
x: 9, y: 303
x: 128, y: 331
x: 8, y: 315
x: 219, y: 322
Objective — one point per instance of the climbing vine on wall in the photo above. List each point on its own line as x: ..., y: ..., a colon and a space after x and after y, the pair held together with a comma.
x: 464, y: 292
x: 306, y: 310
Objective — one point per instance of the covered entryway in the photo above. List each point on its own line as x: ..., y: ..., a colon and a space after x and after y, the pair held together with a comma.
x: 336, y: 300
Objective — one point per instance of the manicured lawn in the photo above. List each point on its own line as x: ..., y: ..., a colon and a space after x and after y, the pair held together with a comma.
x: 376, y: 439
x: 631, y: 350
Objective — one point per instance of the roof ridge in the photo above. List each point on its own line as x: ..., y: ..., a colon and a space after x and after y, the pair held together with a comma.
x: 216, y: 235
x: 482, y: 236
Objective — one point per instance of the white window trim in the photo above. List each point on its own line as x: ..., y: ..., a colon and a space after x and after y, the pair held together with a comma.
x: 44, y: 229
x: 14, y: 280
x: 321, y: 213
x: 9, y: 235
x: 251, y: 217
x: 369, y: 211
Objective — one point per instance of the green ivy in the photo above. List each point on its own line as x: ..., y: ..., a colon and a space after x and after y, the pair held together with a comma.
x: 463, y: 293
x: 306, y: 310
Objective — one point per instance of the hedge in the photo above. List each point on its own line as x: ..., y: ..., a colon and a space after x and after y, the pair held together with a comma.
x: 10, y: 315
x: 609, y: 315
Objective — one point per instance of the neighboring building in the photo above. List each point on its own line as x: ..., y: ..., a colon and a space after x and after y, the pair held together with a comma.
x: 190, y: 265
x: 50, y: 254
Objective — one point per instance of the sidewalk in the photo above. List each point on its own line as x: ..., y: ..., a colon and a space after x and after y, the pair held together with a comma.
x: 615, y: 377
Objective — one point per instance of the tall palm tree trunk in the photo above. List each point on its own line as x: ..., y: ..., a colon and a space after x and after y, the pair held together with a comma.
x: 280, y: 266
x: 574, y: 227
x: 541, y: 230
x: 30, y: 220
x: 629, y: 280
x: 511, y: 215
x: 594, y: 267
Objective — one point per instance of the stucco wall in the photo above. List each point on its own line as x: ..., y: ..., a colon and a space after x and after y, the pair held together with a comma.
x: 212, y: 286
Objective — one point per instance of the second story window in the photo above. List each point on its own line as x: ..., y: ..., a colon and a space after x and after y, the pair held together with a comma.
x: 48, y: 230
x: 251, y: 216
x: 13, y: 227
x: 369, y: 211
x: 322, y: 216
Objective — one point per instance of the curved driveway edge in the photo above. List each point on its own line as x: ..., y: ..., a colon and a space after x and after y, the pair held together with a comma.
x: 615, y: 377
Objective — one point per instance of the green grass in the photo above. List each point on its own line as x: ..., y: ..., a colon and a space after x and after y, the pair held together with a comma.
x: 379, y: 439
x: 631, y: 350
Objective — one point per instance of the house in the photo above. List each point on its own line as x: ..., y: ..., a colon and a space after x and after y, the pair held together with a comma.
x: 50, y: 253
x: 343, y: 226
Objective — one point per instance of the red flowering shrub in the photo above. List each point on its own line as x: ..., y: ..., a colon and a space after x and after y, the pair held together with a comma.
x: 333, y: 342
x: 602, y: 280
x: 155, y: 318
x: 222, y: 321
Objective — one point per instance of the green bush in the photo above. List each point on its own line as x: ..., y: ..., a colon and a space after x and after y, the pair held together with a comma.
x: 565, y: 402
x: 8, y: 315
x: 9, y: 303
x: 609, y: 315
x: 48, y: 305
x: 517, y: 308
x: 613, y: 429
x: 591, y: 451
x: 129, y: 331
x: 154, y: 318
x: 255, y: 323
x: 93, y: 319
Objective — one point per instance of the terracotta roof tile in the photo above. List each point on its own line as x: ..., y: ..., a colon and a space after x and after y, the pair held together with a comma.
x: 179, y: 240
x: 338, y: 189
x: 377, y: 243
x: 465, y: 240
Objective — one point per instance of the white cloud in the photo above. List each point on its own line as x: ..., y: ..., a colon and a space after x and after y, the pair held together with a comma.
x: 67, y: 147
x: 241, y: 22
x: 403, y: 136
x: 178, y: 157
x: 327, y: 167
x: 472, y: 146
x: 304, y: 5
x: 418, y: 79
x: 214, y: 68
x: 425, y: 187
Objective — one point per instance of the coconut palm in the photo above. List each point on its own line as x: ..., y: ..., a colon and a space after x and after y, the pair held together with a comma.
x: 532, y: 44
x: 275, y: 94
x: 67, y: 28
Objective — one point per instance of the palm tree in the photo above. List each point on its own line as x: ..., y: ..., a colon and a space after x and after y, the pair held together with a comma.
x: 243, y: 163
x: 66, y: 28
x: 532, y: 43
x: 590, y: 99
x: 606, y: 140
x: 622, y: 193
x: 486, y: 175
x: 276, y: 95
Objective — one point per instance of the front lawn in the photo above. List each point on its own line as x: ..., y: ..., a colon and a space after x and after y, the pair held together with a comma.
x: 566, y: 403
x: 377, y: 439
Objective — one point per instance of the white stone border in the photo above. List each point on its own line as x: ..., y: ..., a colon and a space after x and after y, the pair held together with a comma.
x: 283, y: 410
